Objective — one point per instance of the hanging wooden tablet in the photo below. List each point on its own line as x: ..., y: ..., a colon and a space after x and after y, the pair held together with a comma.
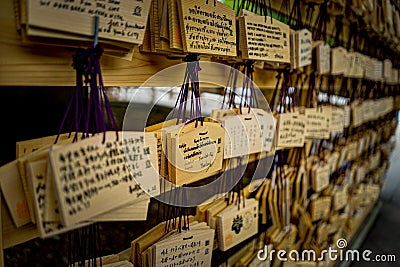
x: 264, y: 210
x: 175, y: 33
x: 197, y: 152
x: 51, y: 208
x: 301, y: 188
x: 323, y: 58
x: 219, y: 114
x: 321, y: 235
x: 347, y: 116
x: 337, y: 122
x: 396, y: 105
x: 189, y: 248
x: 118, y: 20
x: 109, y: 178
x: 293, y: 52
x: 37, y: 185
x: 320, y: 208
x: 248, y: 133
x: 389, y: 104
x: 361, y: 174
x: 236, y: 142
x: 374, y: 69
x: 320, y: 176
x: 337, y: 221
x: 158, y: 130
x: 374, y: 161
x: 369, y: 69
x: 155, y: 42
x: 305, y: 224
x: 367, y: 143
x: 29, y: 146
x: 304, y: 48
x: 135, y: 211
x: 262, y: 132
x: 265, y: 40
x: 39, y: 154
x: 396, y: 23
x: 145, y: 241
x: 13, y: 193
x: 291, y: 130
x: 236, y: 225
x: 388, y: 16
x: 394, y: 77
x: 212, y: 212
x: 379, y: 107
x: 333, y: 161
x: 201, y: 210
x: 357, y: 113
x: 338, y: 60
x: 359, y: 65
x: 318, y: 123
x: 152, y: 236
x: 148, y: 256
x: 350, y: 58
x: 375, y: 113
x: 378, y: 70
x: 368, y: 111
x: 340, y: 198
x: 166, y: 153
x: 351, y: 150
x: 208, y: 27
x: 387, y: 69
x: 372, y: 190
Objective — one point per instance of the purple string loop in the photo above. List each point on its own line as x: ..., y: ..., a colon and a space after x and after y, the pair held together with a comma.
x: 230, y: 90
x: 248, y: 98
x: 190, y: 83
x: 88, y: 112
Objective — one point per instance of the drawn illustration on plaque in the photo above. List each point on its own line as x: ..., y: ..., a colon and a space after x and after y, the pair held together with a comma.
x: 237, y: 224
x: 248, y: 220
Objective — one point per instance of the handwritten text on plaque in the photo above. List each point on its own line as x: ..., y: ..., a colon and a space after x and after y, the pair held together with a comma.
x: 92, y: 177
x: 121, y: 20
x: 207, y: 28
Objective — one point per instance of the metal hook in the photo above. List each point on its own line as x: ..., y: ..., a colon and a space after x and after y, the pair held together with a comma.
x: 96, y: 31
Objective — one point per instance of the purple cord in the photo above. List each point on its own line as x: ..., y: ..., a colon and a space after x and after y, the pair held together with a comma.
x: 87, y: 114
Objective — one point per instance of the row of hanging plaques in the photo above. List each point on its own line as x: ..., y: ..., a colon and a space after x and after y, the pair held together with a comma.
x: 69, y: 185
x: 233, y: 224
x: 66, y: 185
x: 293, y: 128
x: 202, y: 27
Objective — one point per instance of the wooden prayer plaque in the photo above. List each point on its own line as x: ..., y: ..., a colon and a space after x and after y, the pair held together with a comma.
x: 265, y: 40
x: 92, y: 176
x: 291, y: 130
x: 207, y: 28
x: 196, y: 153
x: 236, y: 225
x: 121, y: 20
